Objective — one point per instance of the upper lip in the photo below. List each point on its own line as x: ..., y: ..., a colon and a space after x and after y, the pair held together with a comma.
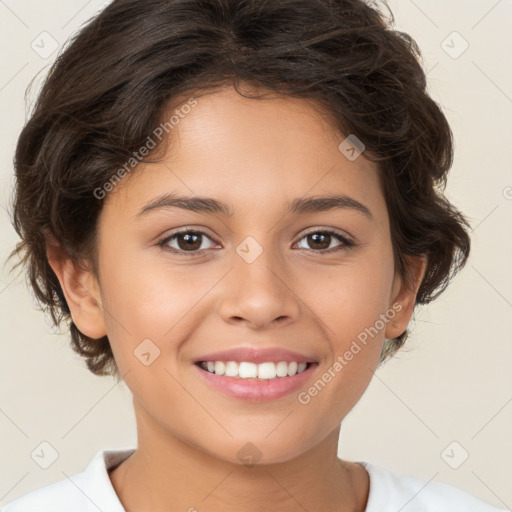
x: 257, y: 355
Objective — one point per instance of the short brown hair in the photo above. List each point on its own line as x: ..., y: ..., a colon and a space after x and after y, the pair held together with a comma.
x: 108, y: 89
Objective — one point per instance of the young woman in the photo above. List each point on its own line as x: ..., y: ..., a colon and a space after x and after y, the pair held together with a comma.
x: 237, y: 206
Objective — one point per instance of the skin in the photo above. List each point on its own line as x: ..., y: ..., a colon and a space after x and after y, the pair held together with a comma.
x: 247, y: 153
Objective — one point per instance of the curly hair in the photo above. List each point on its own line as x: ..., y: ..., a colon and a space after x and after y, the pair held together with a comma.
x: 110, y: 86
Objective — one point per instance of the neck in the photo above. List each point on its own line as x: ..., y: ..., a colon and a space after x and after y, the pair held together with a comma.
x: 167, y: 474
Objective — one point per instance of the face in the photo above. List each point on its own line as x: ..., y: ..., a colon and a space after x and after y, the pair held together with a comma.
x: 270, y: 275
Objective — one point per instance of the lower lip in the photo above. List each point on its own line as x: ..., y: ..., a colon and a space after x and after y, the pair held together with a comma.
x: 256, y: 390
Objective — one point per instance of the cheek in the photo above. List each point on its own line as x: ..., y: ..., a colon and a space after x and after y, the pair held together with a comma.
x: 349, y: 299
x: 350, y: 314
x: 144, y: 300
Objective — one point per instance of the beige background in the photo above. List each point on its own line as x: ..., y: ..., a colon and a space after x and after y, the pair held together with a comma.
x: 452, y: 383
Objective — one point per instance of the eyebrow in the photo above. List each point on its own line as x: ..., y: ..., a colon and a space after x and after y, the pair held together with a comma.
x: 297, y: 206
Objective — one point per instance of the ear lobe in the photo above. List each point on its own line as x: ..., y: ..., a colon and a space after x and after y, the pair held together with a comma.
x: 405, y: 296
x: 80, y: 288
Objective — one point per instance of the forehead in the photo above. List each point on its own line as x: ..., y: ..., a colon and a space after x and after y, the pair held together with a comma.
x: 251, y: 152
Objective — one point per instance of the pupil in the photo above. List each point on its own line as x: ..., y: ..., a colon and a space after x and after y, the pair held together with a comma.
x: 314, y: 238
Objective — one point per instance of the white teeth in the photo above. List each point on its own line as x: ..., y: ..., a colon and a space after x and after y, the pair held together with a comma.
x: 247, y: 370
x: 266, y: 371
x: 282, y: 369
x: 231, y: 369
x: 292, y: 368
x: 220, y: 368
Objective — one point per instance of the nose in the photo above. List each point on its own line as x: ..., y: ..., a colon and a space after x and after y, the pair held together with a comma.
x: 259, y: 294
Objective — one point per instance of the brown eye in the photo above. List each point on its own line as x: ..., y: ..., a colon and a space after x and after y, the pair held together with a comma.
x: 322, y: 241
x: 187, y: 241
x: 319, y: 240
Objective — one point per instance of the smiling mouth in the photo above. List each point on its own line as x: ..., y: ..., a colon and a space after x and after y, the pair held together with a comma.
x: 269, y: 370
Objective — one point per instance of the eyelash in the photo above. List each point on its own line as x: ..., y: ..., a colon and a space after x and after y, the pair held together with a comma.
x: 346, y: 244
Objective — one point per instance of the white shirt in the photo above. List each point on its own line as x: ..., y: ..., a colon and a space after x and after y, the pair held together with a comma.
x: 92, y: 490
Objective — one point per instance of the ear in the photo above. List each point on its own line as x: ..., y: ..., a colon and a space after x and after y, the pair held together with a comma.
x: 81, y: 290
x: 403, y: 297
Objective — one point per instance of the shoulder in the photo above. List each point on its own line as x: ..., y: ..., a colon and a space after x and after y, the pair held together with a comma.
x: 51, y: 497
x: 88, y: 491
x: 390, y: 492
